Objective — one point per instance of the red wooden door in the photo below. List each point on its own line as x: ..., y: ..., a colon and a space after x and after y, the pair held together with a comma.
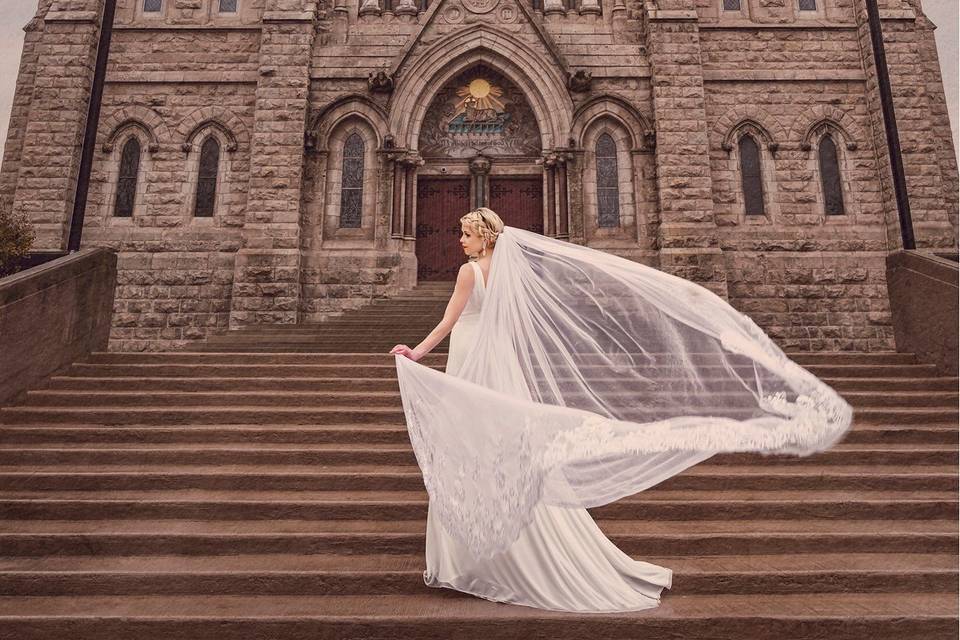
x: 441, y: 202
x: 518, y: 200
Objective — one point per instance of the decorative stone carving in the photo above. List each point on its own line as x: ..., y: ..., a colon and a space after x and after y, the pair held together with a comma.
x: 480, y: 6
x: 479, y: 111
x: 590, y: 7
x: 553, y: 7
x: 579, y: 81
x: 480, y: 165
x: 405, y: 8
x: 380, y: 82
x: 370, y: 7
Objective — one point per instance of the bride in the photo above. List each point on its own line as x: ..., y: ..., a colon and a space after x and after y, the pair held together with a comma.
x: 575, y: 378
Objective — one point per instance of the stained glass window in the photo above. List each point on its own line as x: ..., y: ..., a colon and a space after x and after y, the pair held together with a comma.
x: 207, y: 178
x: 228, y: 6
x: 830, y: 177
x: 731, y: 5
x: 808, y: 5
x: 127, y: 178
x: 751, y: 176
x: 608, y: 182
x: 152, y: 6
x: 351, y: 186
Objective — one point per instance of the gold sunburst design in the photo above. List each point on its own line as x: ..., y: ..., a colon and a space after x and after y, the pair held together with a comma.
x: 481, y: 95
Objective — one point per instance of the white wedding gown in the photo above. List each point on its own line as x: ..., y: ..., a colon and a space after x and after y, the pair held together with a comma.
x: 561, y: 561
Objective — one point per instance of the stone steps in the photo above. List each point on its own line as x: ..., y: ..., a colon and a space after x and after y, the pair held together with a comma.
x: 263, y: 486
x: 376, y: 453
x: 207, y: 414
x: 899, y: 386
x: 695, y: 538
x: 315, y: 575
x: 144, y: 434
x: 704, y: 476
x: 378, y: 398
x: 249, y: 504
x: 429, y: 616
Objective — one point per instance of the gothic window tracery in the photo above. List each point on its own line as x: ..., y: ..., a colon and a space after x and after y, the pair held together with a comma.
x: 351, y: 186
x: 127, y: 178
x: 751, y: 176
x: 608, y: 182
x: 830, y: 177
x: 204, y: 203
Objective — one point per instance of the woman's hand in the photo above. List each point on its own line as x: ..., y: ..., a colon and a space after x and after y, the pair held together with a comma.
x: 406, y: 351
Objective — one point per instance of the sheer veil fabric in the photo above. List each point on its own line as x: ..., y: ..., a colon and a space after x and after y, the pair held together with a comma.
x: 590, y: 378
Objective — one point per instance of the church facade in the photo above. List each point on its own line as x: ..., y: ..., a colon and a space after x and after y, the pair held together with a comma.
x: 280, y: 161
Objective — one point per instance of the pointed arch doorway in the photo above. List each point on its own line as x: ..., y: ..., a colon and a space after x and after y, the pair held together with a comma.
x: 480, y: 142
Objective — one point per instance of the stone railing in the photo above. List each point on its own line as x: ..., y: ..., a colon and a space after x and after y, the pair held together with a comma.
x: 923, y: 301
x: 52, y: 315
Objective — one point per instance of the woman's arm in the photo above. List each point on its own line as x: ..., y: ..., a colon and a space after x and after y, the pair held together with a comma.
x: 461, y: 293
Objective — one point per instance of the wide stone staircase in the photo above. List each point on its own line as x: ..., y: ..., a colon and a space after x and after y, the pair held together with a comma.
x: 265, y: 488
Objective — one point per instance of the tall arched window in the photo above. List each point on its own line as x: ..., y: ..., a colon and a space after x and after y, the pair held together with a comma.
x: 351, y: 183
x: 608, y: 182
x: 205, y: 201
x: 751, y: 176
x: 830, y: 177
x: 127, y: 178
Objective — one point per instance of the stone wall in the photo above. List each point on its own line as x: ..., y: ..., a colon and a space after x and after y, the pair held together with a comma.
x: 674, y: 81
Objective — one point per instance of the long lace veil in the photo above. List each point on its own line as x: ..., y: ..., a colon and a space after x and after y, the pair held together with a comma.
x: 592, y: 378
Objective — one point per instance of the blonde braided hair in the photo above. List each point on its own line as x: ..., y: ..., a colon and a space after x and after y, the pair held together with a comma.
x: 485, y: 223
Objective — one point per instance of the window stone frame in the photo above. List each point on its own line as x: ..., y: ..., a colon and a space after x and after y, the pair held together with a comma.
x: 112, y: 166
x: 192, y: 170
x: 331, y: 231
x: 768, y: 173
x: 627, y: 181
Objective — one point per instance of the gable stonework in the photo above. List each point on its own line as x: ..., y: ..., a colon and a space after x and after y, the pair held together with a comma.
x: 282, y: 84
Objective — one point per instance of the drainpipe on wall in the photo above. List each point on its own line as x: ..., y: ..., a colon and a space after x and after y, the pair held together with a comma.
x: 890, y: 125
x: 90, y: 131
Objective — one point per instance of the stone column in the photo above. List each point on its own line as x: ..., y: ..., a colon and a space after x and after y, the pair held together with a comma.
x: 553, y: 8
x: 406, y: 9
x: 590, y: 8
x: 411, y: 163
x: 266, y: 281
x: 369, y: 7
x: 687, y: 235
x: 550, y: 174
x: 396, y: 218
x: 480, y: 169
x: 563, y: 209
x: 46, y: 182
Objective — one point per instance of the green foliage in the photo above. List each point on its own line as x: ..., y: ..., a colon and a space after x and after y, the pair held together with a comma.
x: 16, y: 238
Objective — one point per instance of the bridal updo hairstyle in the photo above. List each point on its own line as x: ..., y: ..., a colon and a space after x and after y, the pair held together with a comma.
x: 485, y: 223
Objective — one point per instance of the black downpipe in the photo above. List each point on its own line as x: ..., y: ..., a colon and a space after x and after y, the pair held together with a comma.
x: 890, y: 124
x: 90, y: 131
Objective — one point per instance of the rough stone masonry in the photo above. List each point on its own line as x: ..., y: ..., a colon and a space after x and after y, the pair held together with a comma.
x: 709, y: 138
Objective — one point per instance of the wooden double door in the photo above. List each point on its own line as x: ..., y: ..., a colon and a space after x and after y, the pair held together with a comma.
x: 441, y: 201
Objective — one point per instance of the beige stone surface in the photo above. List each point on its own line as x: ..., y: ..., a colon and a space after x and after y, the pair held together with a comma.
x: 281, y: 83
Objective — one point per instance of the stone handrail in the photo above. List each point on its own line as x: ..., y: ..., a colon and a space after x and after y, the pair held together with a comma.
x: 54, y: 314
x: 923, y: 302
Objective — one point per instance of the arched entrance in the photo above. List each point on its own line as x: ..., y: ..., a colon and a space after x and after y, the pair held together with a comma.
x: 480, y: 143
